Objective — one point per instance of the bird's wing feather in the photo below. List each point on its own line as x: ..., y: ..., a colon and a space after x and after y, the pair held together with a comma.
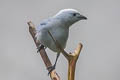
x: 43, y: 24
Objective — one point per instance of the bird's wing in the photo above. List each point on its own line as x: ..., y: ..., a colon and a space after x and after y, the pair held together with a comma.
x: 42, y: 28
x: 43, y: 24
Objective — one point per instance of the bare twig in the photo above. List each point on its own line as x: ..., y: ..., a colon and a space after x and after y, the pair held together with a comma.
x: 72, y: 58
x: 53, y: 74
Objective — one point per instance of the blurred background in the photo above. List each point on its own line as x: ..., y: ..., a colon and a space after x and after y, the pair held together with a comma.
x: 100, y: 36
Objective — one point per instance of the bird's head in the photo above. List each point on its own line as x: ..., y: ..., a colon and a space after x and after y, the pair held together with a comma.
x: 70, y: 16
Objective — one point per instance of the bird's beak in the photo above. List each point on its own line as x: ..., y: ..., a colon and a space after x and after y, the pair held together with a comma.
x: 82, y: 17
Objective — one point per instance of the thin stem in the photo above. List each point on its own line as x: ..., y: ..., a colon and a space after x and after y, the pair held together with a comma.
x: 32, y: 30
x: 72, y: 58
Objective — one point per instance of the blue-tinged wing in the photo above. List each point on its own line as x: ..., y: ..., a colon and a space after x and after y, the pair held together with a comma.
x: 43, y: 24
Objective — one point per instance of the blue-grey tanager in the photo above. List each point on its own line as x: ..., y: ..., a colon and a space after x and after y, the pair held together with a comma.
x: 58, y: 26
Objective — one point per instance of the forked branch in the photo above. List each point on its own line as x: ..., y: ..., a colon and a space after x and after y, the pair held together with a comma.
x: 71, y: 57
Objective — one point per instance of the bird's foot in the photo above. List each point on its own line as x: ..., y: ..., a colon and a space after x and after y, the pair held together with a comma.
x: 39, y: 48
x: 51, y: 68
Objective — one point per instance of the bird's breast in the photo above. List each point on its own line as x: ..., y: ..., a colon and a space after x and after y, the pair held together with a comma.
x: 59, y: 34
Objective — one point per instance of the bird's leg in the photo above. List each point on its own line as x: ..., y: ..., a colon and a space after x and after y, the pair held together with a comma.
x: 40, y: 47
x: 58, y: 54
x: 53, y: 67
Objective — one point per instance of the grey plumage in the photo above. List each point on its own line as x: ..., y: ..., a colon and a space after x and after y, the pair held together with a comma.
x: 58, y: 26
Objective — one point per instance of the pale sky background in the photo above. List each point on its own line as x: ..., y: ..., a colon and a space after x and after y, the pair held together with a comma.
x: 100, y: 36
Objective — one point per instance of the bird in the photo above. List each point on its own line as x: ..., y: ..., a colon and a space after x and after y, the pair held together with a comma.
x: 58, y: 25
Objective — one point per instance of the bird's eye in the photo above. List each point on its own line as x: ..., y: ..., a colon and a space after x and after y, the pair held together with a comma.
x: 74, y: 14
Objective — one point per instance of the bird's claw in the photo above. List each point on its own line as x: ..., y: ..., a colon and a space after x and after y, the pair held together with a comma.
x: 51, y: 68
x: 39, y: 48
